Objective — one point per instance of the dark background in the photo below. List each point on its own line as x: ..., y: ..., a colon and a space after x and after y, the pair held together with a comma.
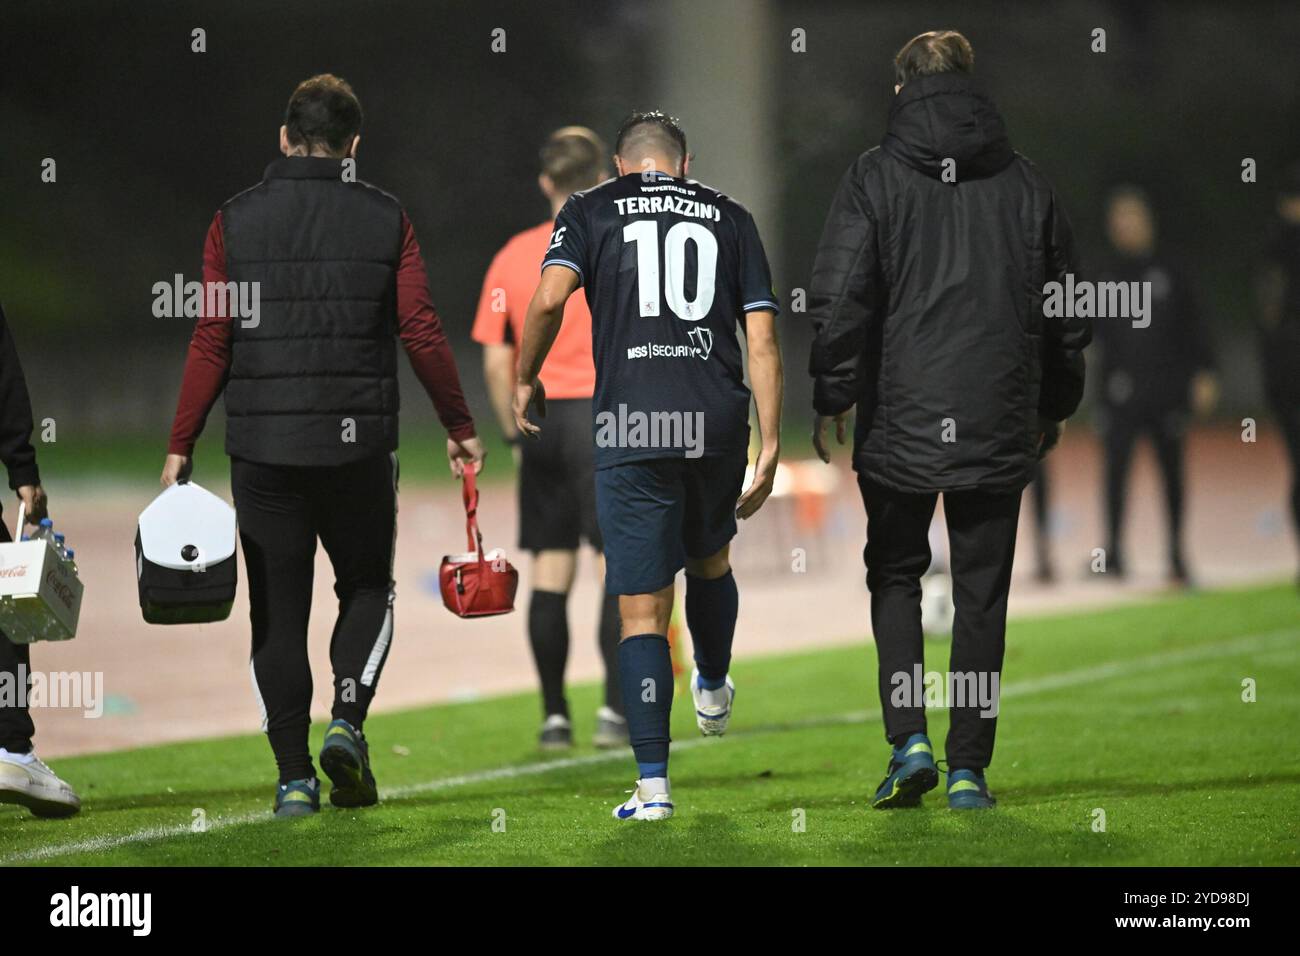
x: 150, y: 138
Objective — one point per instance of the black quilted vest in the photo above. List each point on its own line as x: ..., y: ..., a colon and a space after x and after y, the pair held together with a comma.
x: 315, y: 381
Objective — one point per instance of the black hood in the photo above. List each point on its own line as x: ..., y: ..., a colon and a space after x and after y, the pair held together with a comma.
x: 947, y: 116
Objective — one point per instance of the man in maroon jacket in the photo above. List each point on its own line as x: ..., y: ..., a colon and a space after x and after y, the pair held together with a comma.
x: 327, y: 274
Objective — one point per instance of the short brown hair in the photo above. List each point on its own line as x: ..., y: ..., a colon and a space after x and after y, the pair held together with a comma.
x: 323, y: 113
x: 573, y: 158
x: 939, y: 51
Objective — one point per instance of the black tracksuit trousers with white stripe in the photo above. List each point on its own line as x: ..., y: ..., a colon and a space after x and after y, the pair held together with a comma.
x: 282, y: 510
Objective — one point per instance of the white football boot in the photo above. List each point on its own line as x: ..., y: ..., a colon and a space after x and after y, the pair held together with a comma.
x: 712, y: 707
x: 651, y: 800
x: 25, y: 780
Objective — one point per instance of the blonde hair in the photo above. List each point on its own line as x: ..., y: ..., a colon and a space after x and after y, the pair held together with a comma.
x: 573, y: 158
x: 939, y: 51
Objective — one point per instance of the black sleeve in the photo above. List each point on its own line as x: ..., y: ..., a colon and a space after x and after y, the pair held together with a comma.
x: 842, y: 297
x: 1064, y: 337
x: 16, y: 449
x: 755, y: 275
x: 1270, y: 293
x: 1200, y: 352
x: 568, y: 246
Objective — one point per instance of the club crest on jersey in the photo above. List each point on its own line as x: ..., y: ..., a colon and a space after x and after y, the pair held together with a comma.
x: 557, y: 238
x: 703, y: 339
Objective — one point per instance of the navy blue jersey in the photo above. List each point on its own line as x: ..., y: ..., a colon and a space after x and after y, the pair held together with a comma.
x: 670, y: 268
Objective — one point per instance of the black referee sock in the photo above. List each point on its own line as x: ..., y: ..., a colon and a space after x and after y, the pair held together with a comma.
x: 610, y: 629
x: 711, y: 608
x: 645, y: 671
x: 548, y: 634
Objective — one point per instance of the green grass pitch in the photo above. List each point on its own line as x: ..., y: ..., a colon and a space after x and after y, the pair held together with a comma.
x: 1136, y: 712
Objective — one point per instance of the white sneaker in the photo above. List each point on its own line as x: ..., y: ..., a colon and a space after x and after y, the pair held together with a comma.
x: 712, y: 707
x: 611, y: 729
x: 25, y: 780
x: 650, y: 800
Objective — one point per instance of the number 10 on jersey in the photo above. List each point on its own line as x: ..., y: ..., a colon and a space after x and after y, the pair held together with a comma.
x: 645, y: 234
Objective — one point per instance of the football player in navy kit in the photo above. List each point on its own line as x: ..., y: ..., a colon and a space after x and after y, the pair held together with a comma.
x: 672, y: 269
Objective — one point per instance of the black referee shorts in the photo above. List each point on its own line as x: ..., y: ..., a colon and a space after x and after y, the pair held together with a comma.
x: 557, y: 481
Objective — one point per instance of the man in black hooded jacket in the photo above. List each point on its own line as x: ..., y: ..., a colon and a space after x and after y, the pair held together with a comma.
x: 927, y: 306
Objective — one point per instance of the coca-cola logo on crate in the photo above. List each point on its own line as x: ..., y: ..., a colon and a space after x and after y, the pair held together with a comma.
x: 60, y: 589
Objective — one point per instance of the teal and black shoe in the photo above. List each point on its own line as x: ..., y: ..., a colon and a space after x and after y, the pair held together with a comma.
x: 968, y: 791
x: 345, y: 758
x: 297, y: 798
x: 912, y: 772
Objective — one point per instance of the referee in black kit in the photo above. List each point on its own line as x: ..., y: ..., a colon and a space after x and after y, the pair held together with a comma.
x: 310, y: 379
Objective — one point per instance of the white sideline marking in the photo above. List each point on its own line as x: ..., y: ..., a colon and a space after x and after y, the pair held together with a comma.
x: 1083, y: 675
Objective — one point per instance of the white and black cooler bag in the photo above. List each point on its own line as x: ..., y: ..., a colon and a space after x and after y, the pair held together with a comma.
x: 185, y: 557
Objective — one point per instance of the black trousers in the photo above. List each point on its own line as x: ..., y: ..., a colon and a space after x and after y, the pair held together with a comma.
x: 981, y: 545
x: 16, y: 727
x: 1120, y: 432
x: 282, y: 510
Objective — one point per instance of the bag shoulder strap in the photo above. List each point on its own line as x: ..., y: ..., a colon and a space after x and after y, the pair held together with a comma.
x: 469, y: 494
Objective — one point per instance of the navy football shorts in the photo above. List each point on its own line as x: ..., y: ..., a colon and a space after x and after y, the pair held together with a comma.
x: 654, y: 514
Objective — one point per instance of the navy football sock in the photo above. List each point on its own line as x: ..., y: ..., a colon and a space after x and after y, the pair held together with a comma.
x: 645, y: 670
x: 711, y: 608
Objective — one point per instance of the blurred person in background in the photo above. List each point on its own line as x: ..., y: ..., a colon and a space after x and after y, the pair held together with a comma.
x: 311, y: 422
x: 1040, y: 495
x: 959, y: 379
x: 1152, y: 377
x: 24, y: 779
x: 1278, y: 285
x: 557, y: 473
